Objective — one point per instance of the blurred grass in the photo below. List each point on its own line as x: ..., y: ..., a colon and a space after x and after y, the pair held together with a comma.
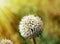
x: 48, y: 10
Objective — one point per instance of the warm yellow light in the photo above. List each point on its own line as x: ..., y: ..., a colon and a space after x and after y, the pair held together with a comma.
x: 3, y: 3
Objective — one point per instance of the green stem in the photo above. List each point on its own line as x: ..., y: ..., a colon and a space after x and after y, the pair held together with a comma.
x: 34, y: 40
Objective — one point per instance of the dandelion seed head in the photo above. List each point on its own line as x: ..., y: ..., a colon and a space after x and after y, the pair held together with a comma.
x: 6, y: 41
x: 30, y: 25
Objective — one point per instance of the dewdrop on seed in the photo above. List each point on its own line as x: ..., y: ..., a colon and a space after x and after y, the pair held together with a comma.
x: 30, y: 25
x: 6, y: 41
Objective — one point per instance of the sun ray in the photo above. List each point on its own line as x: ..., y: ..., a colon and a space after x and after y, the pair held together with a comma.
x: 6, y: 18
x: 4, y: 3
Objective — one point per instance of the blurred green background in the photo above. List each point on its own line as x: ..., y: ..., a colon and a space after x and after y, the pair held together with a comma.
x: 11, y: 12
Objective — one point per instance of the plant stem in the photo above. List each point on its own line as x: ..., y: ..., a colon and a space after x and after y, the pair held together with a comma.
x: 34, y: 40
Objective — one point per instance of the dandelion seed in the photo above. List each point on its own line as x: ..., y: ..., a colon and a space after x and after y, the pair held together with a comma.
x: 6, y: 41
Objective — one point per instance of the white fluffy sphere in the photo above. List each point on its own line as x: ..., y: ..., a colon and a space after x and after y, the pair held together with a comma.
x: 30, y: 26
x: 6, y: 41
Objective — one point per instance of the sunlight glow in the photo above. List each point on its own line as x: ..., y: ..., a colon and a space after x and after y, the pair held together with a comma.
x: 3, y: 3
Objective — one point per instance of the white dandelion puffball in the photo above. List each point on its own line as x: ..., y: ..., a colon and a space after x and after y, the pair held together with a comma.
x: 30, y: 25
x: 6, y: 41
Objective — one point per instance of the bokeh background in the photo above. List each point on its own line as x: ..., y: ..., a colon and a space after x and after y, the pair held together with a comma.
x: 11, y: 12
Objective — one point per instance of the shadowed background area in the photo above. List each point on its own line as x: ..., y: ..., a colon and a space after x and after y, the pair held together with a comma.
x: 11, y: 12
